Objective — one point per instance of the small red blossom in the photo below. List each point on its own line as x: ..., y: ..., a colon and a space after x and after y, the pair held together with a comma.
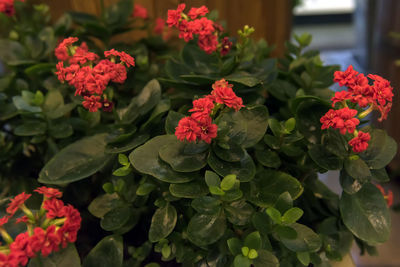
x: 345, y: 78
x: 360, y: 142
x: 208, y: 130
x: 17, y: 202
x: 202, y: 27
x: 208, y: 43
x: 48, y: 192
x: 196, y: 12
x: 54, y: 208
x: 7, y: 7
x: 223, y: 93
x: 23, y: 219
x: 202, y: 108
x: 140, y: 11
x: 226, y: 45
x: 340, y: 96
x: 92, y: 103
x: 124, y: 57
x: 9, y: 260
x: 342, y: 119
x: 159, y: 26
x: 388, y: 197
x: 175, y: 16
x: 188, y: 128
x: 4, y: 220
x: 61, y: 52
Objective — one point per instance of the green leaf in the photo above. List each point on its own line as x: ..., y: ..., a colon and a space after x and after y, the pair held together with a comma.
x: 274, y: 214
x: 265, y: 258
x: 233, y: 125
x: 66, y: 257
x: 348, y: 183
x: 193, y: 189
x: 244, y: 170
x: 292, y: 215
x: 239, y: 212
x: 282, y: 90
x: 228, y: 182
x: 145, y: 189
x: 205, y: 229
x: 108, y: 252
x: 243, y: 78
x: 174, y: 154
x: 148, y: 98
x: 366, y: 214
x: 22, y: 105
x: 284, y: 202
x: 60, y: 129
x: 76, y: 161
x: 30, y: 128
x: 306, y: 240
x: 132, y: 143
x: 262, y: 222
x: 268, y: 158
x: 116, y: 218
x: 286, y: 232
x: 234, y: 245
x: 233, y: 154
x: 268, y: 185
x: 275, y: 127
x: 253, y: 240
x: 381, y: 150
x: 172, y: 121
x: 357, y: 169
x: 335, y: 143
x: 290, y: 124
x: 380, y: 175
x: 123, y: 159
x: 324, y: 158
x: 212, y: 179
x: 145, y: 159
x: 241, y: 261
x: 206, y: 205
x: 303, y: 257
x: 216, y: 191
x: 257, y: 123
x: 162, y: 107
x: 162, y: 223
x: 102, y: 204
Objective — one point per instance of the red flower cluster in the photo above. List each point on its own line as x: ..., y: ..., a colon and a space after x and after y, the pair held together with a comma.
x: 140, y: 11
x: 378, y: 95
x: 388, y: 197
x: 199, y: 125
x: 7, y: 7
x: 45, y: 234
x: 91, y: 81
x: 194, y: 23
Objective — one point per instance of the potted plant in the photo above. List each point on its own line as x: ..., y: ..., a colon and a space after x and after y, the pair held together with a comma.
x: 206, y: 155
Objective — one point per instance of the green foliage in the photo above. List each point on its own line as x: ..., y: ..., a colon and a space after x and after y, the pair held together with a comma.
x: 251, y: 197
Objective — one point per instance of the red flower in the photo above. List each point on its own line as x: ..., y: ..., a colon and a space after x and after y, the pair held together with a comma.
x: 68, y: 232
x: 208, y: 130
x: 7, y: 7
x: 61, y: 51
x: 92, y: 103
x: 340, y: 96
x: 81, y: 57
x: 223, y: 93
x: 208, y: 43
x: 23, y: 219
x: 4, y: 220
x: 17, y: 202
x: 360, y: 142
x: 140, y: 11
x: 225, y: 46
x: 124, y: 57
x: 350, y: 123
x: 188, y: 129
x: 202, y: 26
x: 97, y: 83
x: 345, y: 78
x: 381, y: 89
x: 48, y: 192
x: 384, y: 111
x: 195, y: 12
x: 329, y: 119
x: 54, y: 208
x: 9, y: 260
x: 388, y: 196
x: 174, y: 16
x: 159, y: 26
x: 186, y: 30
x: 45, y: 241
x: 22, y: 244
x: 202, y: 108
x: 107, y: 105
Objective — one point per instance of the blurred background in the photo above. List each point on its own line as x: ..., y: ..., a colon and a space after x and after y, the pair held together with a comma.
x: 362, y: 33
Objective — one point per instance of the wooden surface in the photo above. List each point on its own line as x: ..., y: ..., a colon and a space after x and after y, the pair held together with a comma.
x: 270, y: 18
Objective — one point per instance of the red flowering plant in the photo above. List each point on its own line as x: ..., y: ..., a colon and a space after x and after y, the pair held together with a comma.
x: 206, y: 155
x: 48, y: 230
